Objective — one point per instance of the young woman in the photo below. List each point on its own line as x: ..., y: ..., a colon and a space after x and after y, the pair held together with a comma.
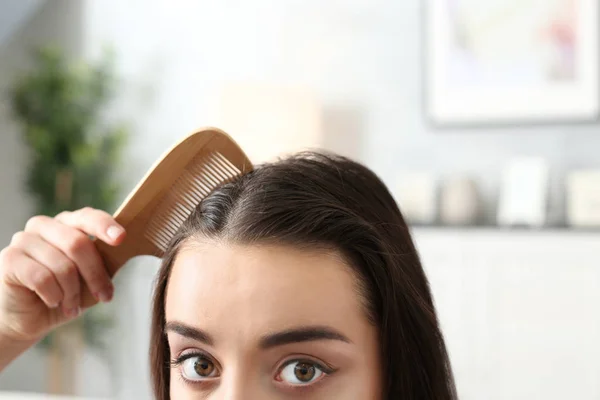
x: 298, y: 280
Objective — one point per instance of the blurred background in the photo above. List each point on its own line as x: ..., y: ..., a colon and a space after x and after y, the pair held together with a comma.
x: 481, y: 117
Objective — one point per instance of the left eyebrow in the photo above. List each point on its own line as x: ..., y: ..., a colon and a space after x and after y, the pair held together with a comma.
x: 301, y: 334
x: 189, y: 332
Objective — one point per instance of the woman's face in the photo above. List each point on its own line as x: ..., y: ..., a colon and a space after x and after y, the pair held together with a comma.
x: 268, y: 322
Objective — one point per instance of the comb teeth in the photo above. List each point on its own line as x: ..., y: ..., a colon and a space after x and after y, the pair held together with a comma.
x: 204, y: 174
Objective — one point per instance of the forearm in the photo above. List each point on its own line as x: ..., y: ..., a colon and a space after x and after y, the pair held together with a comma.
x: 11, y: 349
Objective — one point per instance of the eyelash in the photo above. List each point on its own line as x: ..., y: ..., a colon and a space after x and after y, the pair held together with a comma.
x: 179, y: 360
x: 327, y: 369
x: 176, y: 363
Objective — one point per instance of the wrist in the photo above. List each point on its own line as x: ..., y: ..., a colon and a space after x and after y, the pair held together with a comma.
x: 11, y: 346
x: 7, y: 337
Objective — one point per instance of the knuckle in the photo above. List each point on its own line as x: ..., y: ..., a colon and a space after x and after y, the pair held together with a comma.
x: 42, y: 278
x: 8, y: 255
x: 77, y: 243
x: 68, y: 271
x: 18, y: 238
x: 86, y: 212
x: 62, y: 214
x: 35, y: 221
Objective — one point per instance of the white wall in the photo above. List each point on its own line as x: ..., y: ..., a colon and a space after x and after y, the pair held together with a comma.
x: 362, y: 57
x: 519, y: 311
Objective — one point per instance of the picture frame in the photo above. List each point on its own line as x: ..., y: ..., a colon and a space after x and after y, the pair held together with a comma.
x: 496, y: 62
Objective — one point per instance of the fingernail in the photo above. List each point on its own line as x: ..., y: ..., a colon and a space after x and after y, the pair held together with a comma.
x: 104, y: 296
x: 114, y: 232
x: 73, y: 312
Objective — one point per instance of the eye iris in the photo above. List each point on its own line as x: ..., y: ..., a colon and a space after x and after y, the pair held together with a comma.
x: 203, y: 367
x: 304, y: 372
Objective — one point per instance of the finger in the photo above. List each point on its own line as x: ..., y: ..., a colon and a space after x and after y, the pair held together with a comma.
x: 94, y: 222
x: 77, y: 246
x: 63, y: 268
x: 28, y: 273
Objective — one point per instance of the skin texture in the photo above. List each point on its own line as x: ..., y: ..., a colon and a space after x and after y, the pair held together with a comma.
x: 43, y: 271
x: 238, y: 296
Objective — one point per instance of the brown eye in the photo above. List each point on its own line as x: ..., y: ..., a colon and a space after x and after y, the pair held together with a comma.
x: 301, y: 373
x: 204, y: 367
x: 198, y: 368
x: 304, y: 372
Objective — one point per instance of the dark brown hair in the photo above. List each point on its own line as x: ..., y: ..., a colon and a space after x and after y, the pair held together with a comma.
x: 315, y: 199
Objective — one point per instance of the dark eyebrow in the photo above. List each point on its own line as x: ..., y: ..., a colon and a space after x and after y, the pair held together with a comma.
x: 189, y: 332
x: 301, y: 334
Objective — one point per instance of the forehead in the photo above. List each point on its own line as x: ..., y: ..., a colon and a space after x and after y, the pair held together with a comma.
x: 251, y: 289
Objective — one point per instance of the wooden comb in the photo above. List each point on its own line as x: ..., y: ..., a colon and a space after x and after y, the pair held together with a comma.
x: 168, y: 194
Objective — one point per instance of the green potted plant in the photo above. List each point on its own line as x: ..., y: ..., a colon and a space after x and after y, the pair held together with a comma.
x: 73, y: 158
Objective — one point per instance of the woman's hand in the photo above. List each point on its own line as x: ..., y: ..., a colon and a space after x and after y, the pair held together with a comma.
x: 45, y: 268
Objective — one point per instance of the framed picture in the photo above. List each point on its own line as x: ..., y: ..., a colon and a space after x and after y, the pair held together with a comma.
x: 511, y: 61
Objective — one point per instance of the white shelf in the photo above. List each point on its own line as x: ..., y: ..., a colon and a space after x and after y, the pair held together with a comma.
x: 520, y: 310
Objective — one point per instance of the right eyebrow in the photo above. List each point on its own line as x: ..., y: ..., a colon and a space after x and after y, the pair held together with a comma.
x: 189, y: 332
x: 302, y: 334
